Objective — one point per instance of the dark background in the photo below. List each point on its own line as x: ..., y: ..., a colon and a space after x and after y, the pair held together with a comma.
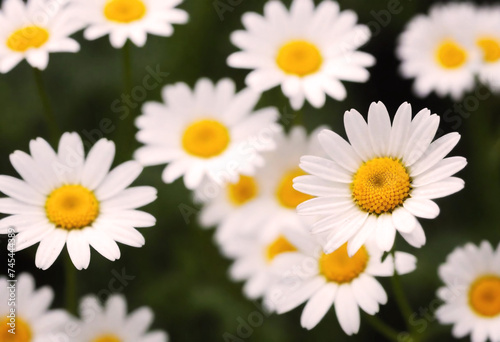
x: 179, y: 272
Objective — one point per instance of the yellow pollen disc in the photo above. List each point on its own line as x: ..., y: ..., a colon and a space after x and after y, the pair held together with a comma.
x: 450, y: 55
x: 299, y: 58
x: 491, y: 49
x: 26, y: 38
x: 278, y: 246
x: 381, y: 185
x: 72, y: 207
x: 243, y: 191
x: 287, y: 195
x: 206, y: 138
x: 484, y: 296
x: 338, y: 267
x: 107, y: 338
x: 124, y: 11
x: 23, y: 331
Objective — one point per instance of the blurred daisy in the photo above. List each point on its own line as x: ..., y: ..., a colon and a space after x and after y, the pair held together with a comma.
x: 439, y: 51
x: 253, y: 256
x: 274, y: 202
x: 210, y: 131
x: 129, y: 19
x: 306, y: 50
x: 111, y: 323
x: 487, y: 30
x: 380, y: 181
x: 323, y: 280
x: 471, y: 293
x: 28, y: 31
x: 67, y: 199
x: 33, y: 321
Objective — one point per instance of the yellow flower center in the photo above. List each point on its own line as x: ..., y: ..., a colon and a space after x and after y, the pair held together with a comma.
x: 206, y: 138
x: 287, y: 195
x: 243, y: 191
x: 450, y: 55
x: 26, y: 38
x: 278, y: 246
x: 124, y: 11
x: 484, y: 296
x: 107, y: 338
x: 72, y: 207
x: 22, y: 331
x: 299, y: 57
x: 491, y: 49
x: 381, y: 185
x: 338, y: 267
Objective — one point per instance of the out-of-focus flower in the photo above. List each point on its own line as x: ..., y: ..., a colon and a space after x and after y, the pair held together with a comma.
x: 111, y: 323
x: 267, y: 199
x: 380, y: 181
x: 323, y: 280
x: 487, y: 38
x: 209, y: 132
x: 307, y: 50
x: 471, y: 293
x: 253, y: 256
x: 30, y: 31
x: 439, y: 50
x: 32, y: 319
x: 129, y: 19
x: 67, y: 199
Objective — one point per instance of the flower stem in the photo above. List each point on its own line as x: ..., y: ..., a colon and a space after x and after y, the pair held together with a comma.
x: 54, y: 129
x: 384, y: 329
x: 71, y: 275
x: 401, y: 299
x: 127, y: 67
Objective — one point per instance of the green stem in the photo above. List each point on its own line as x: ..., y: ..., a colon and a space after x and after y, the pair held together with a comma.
x: 401, y: 299
x: 127, y: 67
x: 47, y: 109
x: 384, y: 329
x: 71, y: 275
x: 298, y: 118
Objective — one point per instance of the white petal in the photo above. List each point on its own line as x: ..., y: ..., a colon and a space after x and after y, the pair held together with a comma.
x: 416, y: 237
x: 443, y: 169
x: 357, y: 132
x: 440, y: 189
x: 130, y: 198
x: 325, y: 169
x: 362, y: 235
x: 317, y: 307
x: 403, y: 220
x: 339, y: 150
x: 400, y: 131
x: 118, y: 179
x: 436, y: 151
x: 102, y: 243
x: 78, y: 249
x: 21, y: 191
x: 98, y: 162
x: 347, y: 310
x: 421, y: 207
x: 386, y: 232
x: 379, y: 127
x: 50, y: 248
x: 405, y: 262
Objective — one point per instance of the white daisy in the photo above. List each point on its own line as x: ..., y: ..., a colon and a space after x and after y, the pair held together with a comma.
x: 31, y: 31
x: 270, y: 200
x: 254, y: 254
x: 306, y: 50
x: 323, y: 280
x: 439, y: 51
x: 111, y: 323
x: 487, y: 38
x: 32, y: 320
x: 129, y: 19
x: 471, y: 293
x: 67, y: 199
x: 210, y: 131
x: 380, y: 181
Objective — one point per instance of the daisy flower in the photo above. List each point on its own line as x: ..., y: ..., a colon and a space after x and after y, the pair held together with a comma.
x: 380, y: 181
x: 33, y: 319
x: 306, y: 50
x: 64, y: 198
x: 30, y: 31
x: 253, y: 256
x: 269, y: 198
x: 471, y: 293
x: 487, y: 38
x: 129, y: 19
x: 111, y: 323
x: 335, y: 279
x: 211, y: 131
x: 439, y: 51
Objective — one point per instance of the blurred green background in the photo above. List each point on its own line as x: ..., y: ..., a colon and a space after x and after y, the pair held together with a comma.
x: 179, y: 272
